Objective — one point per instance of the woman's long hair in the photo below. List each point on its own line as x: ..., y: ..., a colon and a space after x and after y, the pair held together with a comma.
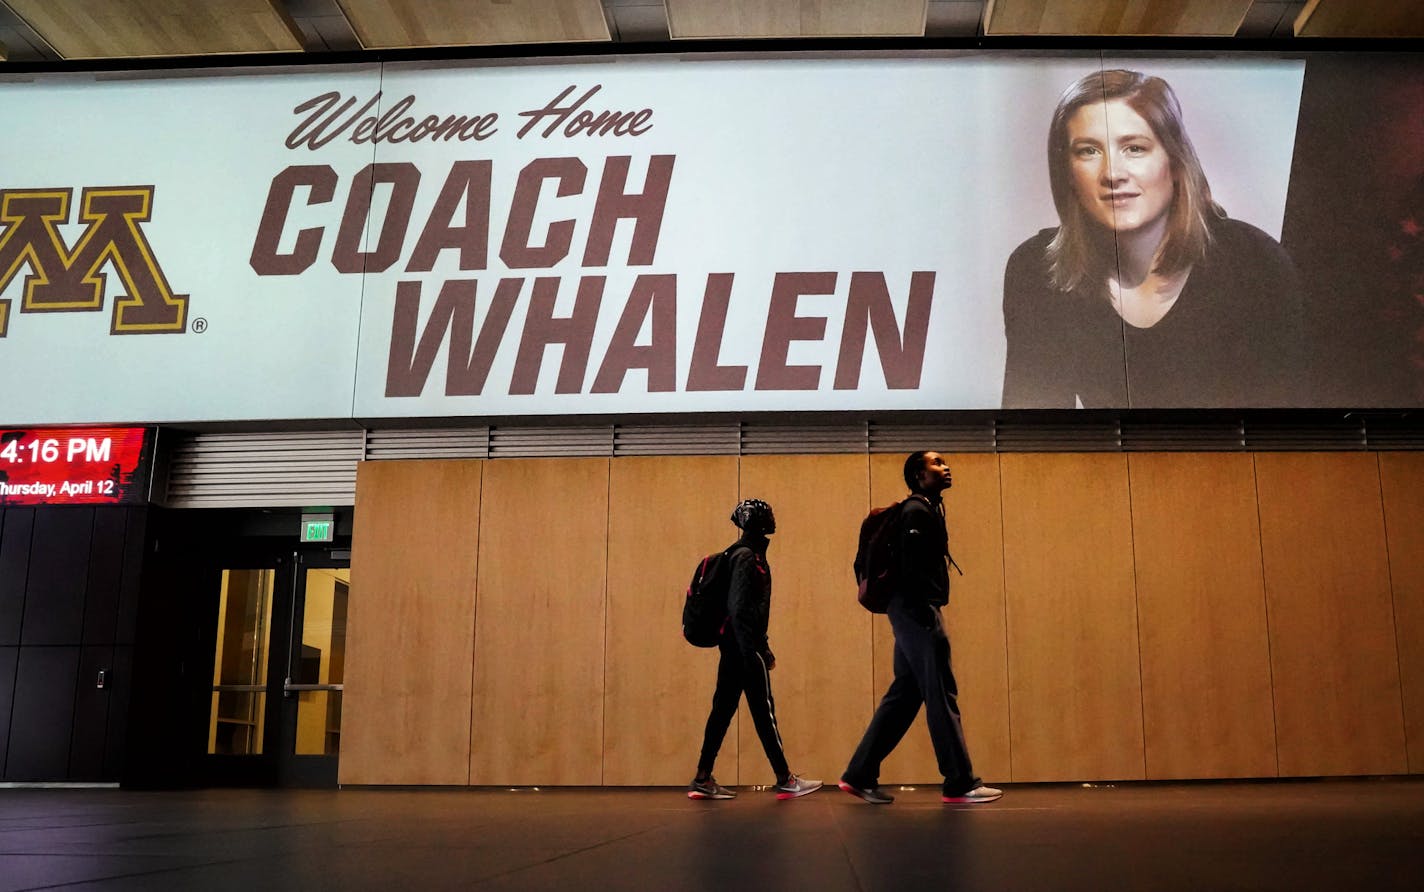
x: 1081, y: 249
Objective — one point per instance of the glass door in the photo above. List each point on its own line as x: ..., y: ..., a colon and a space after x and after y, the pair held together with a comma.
x: 237, y: 720
x: 312, y: 680
x: 279, y: 657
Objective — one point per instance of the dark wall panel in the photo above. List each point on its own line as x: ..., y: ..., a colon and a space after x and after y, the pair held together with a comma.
x: 15, y: 534
x: 91, y: 714
x: 69, y: 591
x: 59, y: 559
x: 8, y: 655
x: 135, y: 531
x: 106, y: 569
x: 43, y: 714
x: 121, y: 688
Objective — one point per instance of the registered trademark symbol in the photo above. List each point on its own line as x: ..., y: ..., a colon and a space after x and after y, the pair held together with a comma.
x: 200, y: 325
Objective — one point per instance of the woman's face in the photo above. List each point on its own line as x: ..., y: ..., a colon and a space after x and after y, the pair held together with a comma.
x: 1120, y: 171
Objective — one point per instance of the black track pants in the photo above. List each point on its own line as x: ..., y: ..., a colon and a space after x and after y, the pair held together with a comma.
x: 738, y: 673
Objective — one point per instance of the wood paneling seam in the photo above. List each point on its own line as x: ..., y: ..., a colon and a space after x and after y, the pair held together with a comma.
x: 1137, y: 616
x: 870, y: 499
x: 1266, y: 603
x: 607, y: 593
x: 1393, y: 614
x: 475, y: 625
x: 1004, y: 574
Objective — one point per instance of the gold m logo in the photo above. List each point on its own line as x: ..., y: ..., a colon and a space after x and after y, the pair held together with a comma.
x: 65, y: 281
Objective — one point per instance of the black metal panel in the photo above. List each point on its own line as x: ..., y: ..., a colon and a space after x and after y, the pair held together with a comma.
x: 91, y: 714
x: 43, y: 715
x: 169, y: 684
x: 120, y: 690
x: 135, y: 541
x: 14, y: 566
x: 59, y: 561
x: 8, y: 656
x: 106, y: 566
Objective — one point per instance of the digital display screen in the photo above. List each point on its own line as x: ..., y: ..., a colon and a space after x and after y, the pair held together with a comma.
x: 75, y: 466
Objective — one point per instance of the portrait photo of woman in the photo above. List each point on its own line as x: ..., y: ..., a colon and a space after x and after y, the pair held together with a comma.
x: 1146, y: 295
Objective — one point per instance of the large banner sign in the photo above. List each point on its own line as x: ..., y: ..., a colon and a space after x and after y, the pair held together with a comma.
x: 395, y: 241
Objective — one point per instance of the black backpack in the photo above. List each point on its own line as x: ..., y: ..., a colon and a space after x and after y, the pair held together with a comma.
x: 877, y: 560
x: 704, y: 610
x: 877, y: 557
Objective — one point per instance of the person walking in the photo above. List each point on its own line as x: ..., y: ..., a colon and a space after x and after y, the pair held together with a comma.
x: 746, y: 660
x: 922, y: 667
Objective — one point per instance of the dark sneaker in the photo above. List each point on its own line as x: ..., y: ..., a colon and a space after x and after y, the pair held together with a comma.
x: 795, y: 787
x: 873, y: 795
x: 980, y: 793
x: 708, y: 789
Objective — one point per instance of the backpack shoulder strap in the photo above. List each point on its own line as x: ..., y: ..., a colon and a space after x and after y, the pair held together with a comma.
x: 926, y: 502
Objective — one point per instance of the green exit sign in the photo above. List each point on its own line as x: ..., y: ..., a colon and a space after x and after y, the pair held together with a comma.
x: 318, y: 528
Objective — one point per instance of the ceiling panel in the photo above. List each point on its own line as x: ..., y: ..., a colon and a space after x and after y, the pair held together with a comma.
x: 796, y: 18
x: 1139, y: 18
x: 384, y: 24
x: 954, y: 18
x: 1361, y: 18
x: 101, y: 29
x: 40, y: 30
x: 634, y: 22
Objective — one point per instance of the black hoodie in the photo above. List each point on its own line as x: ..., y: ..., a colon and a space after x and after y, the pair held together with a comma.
x: 749, y: 598
x: 924, y: 550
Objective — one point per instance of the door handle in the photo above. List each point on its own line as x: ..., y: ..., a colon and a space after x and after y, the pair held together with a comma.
x: 288, y: 689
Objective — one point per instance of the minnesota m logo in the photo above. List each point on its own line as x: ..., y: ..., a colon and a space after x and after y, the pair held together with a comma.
x: 61, y: 280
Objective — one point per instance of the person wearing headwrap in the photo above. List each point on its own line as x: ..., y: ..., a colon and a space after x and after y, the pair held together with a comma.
x: 746, y: 659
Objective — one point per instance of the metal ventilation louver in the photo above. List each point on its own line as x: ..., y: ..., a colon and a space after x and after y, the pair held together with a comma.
x: 384, y: 445
x: 269, y: 469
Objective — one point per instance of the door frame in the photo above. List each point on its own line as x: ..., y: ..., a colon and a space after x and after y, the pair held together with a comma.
x: 295, y: 770
x: 277, y: 765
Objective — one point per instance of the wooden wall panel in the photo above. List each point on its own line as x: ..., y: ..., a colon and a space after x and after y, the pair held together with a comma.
x: 1335, y: 670
x: 410, y: 626
x: 820, y: 635
x: 978, y: 644
x: 539, y: 630
x: 664, y: 515
x: 1402, y: 476
x: 1206, y: 668
x: 1075, y: 693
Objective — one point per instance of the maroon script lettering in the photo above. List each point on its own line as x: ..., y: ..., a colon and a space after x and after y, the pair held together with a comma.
x: 577, y: 120
x: 332, y: 115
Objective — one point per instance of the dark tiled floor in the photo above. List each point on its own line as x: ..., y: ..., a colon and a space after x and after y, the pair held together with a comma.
x: 1357, y: 834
